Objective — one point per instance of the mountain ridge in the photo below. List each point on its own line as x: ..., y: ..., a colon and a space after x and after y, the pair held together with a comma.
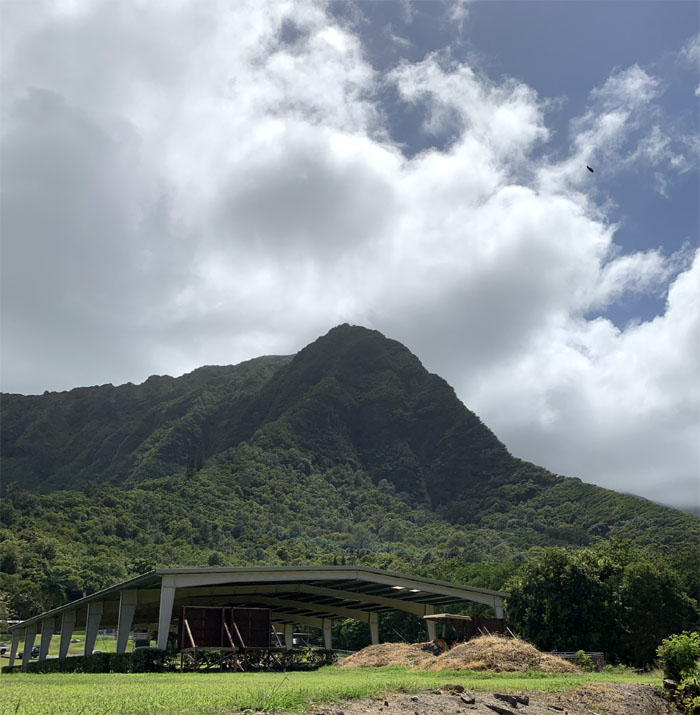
x: 348, y: 452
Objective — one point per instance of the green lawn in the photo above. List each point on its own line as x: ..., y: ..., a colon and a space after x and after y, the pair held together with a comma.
x: 107, y: 644
x: 227, y: 692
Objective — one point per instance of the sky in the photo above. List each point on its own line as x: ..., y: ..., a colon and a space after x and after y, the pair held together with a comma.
x: 188, y: 183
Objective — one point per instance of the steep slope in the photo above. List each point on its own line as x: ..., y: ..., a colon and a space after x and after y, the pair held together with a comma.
x: 348, y: 452
x: 64, y: 440
x: 355, y: 397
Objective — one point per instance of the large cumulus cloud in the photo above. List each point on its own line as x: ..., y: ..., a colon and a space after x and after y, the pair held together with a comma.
x: 189, y: 183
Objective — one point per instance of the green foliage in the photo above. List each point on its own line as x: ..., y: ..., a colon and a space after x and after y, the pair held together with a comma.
x: 584, y: 661
x: 142, y: 660
x: 679, y: 654
x: 613, y: 598
x: 687, y: 694
x: 348, y: 453
x: 680, y: 657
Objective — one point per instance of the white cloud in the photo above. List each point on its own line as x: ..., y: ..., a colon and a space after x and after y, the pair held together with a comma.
x: 215, y: 182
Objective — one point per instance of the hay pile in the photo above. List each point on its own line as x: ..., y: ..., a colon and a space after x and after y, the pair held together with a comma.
x: 500, y: 655
x: 384, y: 654
x: 491, y: 653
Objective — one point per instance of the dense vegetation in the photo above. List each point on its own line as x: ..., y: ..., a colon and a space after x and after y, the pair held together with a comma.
x: 613, y: 598
x: 349, y: 452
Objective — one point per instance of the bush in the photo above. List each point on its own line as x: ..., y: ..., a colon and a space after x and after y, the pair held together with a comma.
x: 147, y: 660
x: 679, y: 654
x: 585, y: 662
x: 687, y: 694
x: 143, y: 660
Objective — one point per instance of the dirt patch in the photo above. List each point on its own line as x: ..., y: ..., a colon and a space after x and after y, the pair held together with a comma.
x: 487, y: 653
x: 596, y: 699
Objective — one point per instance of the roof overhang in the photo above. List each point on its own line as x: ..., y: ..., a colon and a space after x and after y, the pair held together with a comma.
x: 300, y: 594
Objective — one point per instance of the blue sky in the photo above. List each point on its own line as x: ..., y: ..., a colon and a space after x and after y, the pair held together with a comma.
x: 563, y: 49
x: 201, y: 183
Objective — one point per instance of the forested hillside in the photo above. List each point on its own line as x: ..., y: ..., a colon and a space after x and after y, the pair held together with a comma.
x: 348, y: 452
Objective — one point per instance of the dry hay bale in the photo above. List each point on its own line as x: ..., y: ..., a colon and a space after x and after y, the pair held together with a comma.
x: 499, y: 654
x: 386, y: 654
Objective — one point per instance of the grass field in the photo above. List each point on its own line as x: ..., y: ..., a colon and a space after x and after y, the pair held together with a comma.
x: 26, y: 694
x: 107, y: 644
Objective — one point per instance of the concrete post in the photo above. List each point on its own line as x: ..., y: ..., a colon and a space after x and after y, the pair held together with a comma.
x: 328, y: 633
x: 374, y: 627
x: 16, y: 635
x: 432, y: 626
x: 498, y: 608
x: 92, y: 625
x: 289, y: 636
x: 165, y: 614
x: 127, y: 607
x: 47, y: 626
x: 67, y: 626
x: 29, y: 636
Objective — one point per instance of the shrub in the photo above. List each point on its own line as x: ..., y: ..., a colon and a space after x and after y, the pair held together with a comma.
x: 679, y: 654
x: 584, y: 661
x: 143, y: 660
x: 147, y: 660
x: 687, y: 694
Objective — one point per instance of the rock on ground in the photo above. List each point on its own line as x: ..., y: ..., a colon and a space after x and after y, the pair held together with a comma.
x: 595, y: 699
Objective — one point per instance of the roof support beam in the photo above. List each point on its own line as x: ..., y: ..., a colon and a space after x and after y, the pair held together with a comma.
x: 464, y: 594
x: 432, y: 626
x: 328, y: 633
x: 165, y: 613
x: 414, y: 607
x: 16, y: 635
x: 320, y: 609
x: 417, y: 609
x: 67, y: 626
x: 94, y: 616
x: 374, y: 627
x: 280, y: 617
x: 47, y: 626
x: 29, y: 636
x: 128, y: 600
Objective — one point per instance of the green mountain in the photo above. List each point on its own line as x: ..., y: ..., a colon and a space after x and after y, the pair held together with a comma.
x: 348, y: 452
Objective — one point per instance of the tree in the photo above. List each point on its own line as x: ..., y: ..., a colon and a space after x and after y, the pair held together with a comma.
x: 555, y: 602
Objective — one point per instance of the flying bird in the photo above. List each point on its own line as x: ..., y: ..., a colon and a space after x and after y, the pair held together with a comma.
x: 589, y: 169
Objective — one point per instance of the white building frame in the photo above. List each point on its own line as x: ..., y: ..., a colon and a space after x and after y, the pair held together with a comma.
x: 305, y: 595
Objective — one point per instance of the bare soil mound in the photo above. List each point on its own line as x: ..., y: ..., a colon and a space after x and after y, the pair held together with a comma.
x: 490, y: 653
x: 596, y: 699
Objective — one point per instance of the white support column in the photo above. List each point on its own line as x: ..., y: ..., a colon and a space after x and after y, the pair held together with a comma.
x: 127, y: 608
x: 289, y: 636
x: 92, y: 625
x: 328, y: 633
x: 432, y: 626
x: 16, y: 635
x: 498, y: 608
x: 47, y: 627
x: 29, y: 636
x: 67, y: 626
x: 167, y: 598
x: 374, y: 627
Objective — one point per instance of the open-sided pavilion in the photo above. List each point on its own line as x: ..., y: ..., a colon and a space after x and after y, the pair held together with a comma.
x: 304, y: 595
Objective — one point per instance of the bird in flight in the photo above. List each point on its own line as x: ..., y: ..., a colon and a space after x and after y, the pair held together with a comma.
x: 589, y: 169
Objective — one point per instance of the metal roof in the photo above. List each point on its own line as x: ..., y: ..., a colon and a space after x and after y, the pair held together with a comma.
x: 304, y: 592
